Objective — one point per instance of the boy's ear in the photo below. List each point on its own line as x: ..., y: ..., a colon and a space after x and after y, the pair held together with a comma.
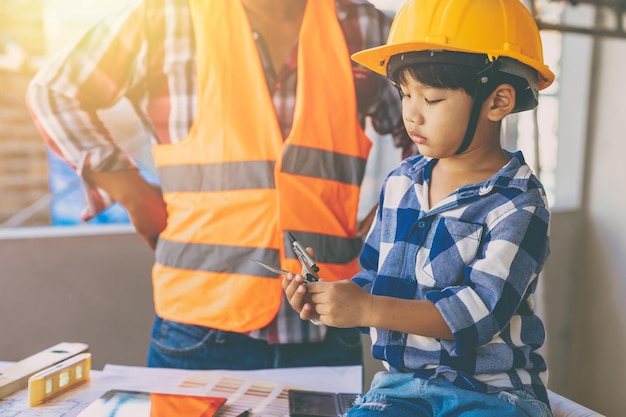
x: 501, y: 102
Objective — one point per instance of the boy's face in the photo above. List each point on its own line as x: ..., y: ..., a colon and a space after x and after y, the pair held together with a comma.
x: 435, y: 119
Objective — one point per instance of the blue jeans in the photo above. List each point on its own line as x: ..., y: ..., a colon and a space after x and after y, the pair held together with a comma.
x: 178, y: 345
x: 401, y: 395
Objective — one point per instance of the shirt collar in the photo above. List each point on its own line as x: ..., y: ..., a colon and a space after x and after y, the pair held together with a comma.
x: 515, y: 174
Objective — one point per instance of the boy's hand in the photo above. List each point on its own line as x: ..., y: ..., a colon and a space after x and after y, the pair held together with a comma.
x: 339, y: 303
x: 295, y: 287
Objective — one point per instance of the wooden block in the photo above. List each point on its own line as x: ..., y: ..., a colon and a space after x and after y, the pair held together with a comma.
x: 58, y: 379
x: 15, y: 377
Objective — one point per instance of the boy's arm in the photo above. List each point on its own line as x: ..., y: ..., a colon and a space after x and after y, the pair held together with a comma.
x: 420, y: 317
x: 329, y: 305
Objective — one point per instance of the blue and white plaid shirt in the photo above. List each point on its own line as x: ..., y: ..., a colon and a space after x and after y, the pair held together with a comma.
x: 476, y: 255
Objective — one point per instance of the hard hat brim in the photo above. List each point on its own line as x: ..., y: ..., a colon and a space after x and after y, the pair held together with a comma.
x: 376, y: 59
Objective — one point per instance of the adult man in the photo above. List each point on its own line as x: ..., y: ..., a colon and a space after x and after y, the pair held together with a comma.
x: 251, y: 122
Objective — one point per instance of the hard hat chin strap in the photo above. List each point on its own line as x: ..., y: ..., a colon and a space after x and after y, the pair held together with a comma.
x: 484, y: 87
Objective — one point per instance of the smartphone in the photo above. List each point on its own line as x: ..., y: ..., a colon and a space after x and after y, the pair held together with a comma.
x: 319, y: 404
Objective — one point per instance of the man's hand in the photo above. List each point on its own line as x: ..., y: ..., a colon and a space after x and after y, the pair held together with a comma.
x: 149, y: 216
x: 143, y: 201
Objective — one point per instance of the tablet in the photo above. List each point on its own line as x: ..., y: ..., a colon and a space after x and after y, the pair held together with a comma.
x: 319, y: 404
x: 122, y: 403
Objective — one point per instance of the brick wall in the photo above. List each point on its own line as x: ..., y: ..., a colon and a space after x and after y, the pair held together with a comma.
x: 24, y: 198
x: 23, y: 167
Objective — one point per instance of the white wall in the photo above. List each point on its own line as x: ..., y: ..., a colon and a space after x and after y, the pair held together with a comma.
x: 78, y: 287
x: 599, y: 342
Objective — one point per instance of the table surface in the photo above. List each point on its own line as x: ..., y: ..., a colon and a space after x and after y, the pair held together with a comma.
x: 271, y: 383
x: 329, y: 379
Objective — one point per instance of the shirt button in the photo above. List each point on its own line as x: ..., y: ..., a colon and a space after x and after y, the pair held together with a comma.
x: 421, y: 225
x: 485, y: 189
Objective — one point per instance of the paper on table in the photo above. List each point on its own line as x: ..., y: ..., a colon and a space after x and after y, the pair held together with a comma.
x: 334, y: 379
x: 265, y: 392
x: 322, y: 378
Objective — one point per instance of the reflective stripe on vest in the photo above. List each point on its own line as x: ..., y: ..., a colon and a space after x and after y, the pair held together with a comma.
x: 234, y: 188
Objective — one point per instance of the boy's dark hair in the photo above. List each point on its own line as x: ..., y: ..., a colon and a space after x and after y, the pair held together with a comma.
x: 441, y: 76
x: 448, y: 74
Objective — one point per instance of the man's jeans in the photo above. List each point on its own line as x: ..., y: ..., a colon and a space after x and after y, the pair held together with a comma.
x: 177, y: 345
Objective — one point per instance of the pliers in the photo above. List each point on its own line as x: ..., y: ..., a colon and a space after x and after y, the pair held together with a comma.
x: 308, y: 264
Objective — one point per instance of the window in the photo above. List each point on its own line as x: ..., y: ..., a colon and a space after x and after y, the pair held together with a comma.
x: 554, y: 150
x: 39, y: 190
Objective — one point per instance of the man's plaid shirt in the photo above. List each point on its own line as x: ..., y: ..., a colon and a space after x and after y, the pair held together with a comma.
x: 145, y: 53
x: 477, y: 256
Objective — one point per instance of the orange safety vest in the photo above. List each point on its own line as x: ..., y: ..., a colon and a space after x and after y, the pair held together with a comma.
x: 234, y: 188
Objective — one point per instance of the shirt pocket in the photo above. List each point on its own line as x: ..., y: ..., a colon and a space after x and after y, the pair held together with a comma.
x: 449, y: 247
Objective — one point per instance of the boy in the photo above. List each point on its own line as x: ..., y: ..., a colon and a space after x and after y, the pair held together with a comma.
x: 451, y: 263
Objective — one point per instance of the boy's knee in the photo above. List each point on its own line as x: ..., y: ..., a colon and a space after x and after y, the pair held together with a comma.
x: 372, y: 403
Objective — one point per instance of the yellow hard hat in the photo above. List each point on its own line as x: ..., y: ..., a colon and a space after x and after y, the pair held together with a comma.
x: 496, y: 28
